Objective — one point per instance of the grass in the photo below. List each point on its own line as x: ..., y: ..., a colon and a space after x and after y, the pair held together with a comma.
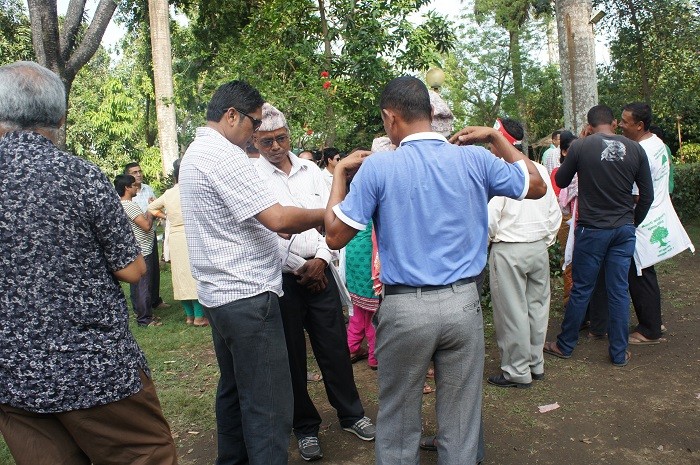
x: 185, y: 370
x: 183, y: 366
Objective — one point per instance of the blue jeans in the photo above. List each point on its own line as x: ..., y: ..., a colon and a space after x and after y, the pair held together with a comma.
x: 254, y: 402
x: 593, y: 249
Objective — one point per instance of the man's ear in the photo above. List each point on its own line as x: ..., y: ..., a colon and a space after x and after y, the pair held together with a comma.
x: 389, y: 116
x: 614, y: 125
x: 230, y: 117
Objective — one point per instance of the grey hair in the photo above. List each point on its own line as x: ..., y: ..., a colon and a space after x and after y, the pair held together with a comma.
x: 31, y: 96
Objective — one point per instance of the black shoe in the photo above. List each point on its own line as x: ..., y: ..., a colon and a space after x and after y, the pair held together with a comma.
x: 537, y: 376
x: 310, y: 448
x: 501, y: 381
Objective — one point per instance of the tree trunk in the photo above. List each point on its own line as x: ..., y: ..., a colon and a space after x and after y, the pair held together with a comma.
x: 516, y: 64
x: 159, y: 16
x: 577, y: 61
x: 59, y: 52
x: 327, y: 52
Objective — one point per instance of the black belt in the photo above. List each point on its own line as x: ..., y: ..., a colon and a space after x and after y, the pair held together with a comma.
x: 391, y: 289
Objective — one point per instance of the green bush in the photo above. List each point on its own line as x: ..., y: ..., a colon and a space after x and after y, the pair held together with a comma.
x: 689, y: 153
x: 686, y: 194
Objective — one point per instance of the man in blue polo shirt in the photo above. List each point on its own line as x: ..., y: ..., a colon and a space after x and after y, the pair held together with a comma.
x: 428, y: 200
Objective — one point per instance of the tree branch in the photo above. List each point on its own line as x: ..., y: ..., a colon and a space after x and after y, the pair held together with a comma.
x: 44, y: 24
x: 93, y: 36
x: 71, y: 26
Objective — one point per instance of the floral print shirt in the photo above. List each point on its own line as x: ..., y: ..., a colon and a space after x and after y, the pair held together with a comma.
x: 65, y: 342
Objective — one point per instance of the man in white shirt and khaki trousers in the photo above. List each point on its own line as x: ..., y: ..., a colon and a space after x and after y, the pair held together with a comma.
x: 520, y: 233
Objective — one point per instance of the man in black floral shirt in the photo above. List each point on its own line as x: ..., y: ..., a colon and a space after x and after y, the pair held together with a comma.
x: 74, y: 385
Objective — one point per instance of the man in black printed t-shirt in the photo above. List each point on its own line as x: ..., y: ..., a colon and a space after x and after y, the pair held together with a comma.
x: 607, y: 166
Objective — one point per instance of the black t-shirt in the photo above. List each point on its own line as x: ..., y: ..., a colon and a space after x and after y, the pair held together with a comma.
x: 607, y: 166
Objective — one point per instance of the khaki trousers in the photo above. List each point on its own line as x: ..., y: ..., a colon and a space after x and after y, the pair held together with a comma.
x: 129, y: 431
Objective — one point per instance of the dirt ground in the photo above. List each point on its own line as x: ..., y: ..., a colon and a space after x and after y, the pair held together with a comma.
x: 645, y: 413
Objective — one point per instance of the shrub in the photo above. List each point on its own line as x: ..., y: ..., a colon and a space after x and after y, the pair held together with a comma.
x: 686, y: 194
x: 689, y: 153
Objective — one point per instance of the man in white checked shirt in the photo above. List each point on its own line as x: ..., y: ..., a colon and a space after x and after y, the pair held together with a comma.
x: 311, y: 300
x: 230, y: 216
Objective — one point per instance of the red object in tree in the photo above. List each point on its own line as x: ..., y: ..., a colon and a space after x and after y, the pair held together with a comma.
x: 326, y: 84
x: 309, y: 132
x: 324, y: 74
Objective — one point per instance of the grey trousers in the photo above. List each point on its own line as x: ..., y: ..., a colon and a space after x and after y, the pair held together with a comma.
x: 446, y: 326
x: 520, y: 294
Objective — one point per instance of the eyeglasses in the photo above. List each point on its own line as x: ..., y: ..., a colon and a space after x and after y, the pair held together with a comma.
x: 269, y: 142
x: 256, y: 122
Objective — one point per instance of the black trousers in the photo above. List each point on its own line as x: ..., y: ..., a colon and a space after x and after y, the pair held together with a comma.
x: 646, y: 298
x: 154, y: 282
x: 322, y: 317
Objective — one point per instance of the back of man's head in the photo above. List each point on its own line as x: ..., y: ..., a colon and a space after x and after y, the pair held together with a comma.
x: 514, y: 128
x: 235, y: 94
x: 408, y: 97
x: 122, y: 181
x: 641, y: 112
x: 176, y: 169
x: 656, y: 130
x: 600, y: 115
x: 31, y: 97
x: 566, y: 138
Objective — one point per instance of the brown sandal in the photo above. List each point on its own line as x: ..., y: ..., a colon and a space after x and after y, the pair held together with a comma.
x: 552, y: 348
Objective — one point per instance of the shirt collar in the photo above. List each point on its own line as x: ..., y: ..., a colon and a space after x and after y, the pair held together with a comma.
x: 206, y: 131
x: 297, y: 165
x: 423, y: 136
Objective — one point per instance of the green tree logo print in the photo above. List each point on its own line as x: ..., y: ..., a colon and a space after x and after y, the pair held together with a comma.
x: 659, y: 235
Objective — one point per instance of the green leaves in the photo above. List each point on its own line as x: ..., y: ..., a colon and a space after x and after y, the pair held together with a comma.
x: 15, y: 32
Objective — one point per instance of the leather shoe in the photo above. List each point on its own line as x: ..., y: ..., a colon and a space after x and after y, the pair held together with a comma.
x: 537, y: 376
x: 501, y: 381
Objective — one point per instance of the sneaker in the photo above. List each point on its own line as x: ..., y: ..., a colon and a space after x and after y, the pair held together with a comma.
x: 310, y: 448
x: 363, y: 429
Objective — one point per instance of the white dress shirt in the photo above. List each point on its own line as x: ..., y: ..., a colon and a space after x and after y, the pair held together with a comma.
x: 304, y: 187
x: 526, y: 220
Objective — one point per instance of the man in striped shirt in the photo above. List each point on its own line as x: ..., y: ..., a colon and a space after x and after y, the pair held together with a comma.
x: 142, y: 226
x: 311, y: 299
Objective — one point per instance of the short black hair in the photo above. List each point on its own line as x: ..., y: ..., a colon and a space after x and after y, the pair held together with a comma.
x: 565, y: 140
x: 658, y: 131
x: 237, y: 94
x: 600, y: 114
x: 640, y: 112
x: 329, y: 153
x: 128, y: 166
x: 557, y: 133
x: 122, y: 181
x: 176, y: 169
x: 409, y: 97
x: 514, y: 128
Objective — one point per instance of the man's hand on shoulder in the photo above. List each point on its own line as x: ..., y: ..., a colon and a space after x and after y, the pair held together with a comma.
x: 350, y: 164
x: 470, y: 135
